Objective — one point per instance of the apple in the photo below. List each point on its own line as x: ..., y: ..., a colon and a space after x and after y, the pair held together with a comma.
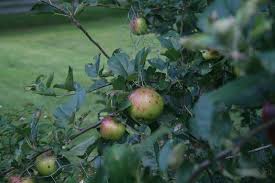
x: 15, y: 179
x: 147, y: 105
x: 27, y: 180
x: 268, y: 114
x: 138, y: 26
x: 46, y: 164
x: 176, y: 157
x: 210, y: 54
x: 110, y: 129
x: 18, y: 179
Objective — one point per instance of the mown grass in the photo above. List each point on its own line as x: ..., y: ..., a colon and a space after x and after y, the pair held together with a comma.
x: 33, y: 44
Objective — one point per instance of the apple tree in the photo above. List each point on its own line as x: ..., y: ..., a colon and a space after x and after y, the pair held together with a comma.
x: 200, y: 111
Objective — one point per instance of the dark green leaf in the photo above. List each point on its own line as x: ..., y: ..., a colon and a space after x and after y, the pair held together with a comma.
x: 69, y: 82
x: 121, y: 65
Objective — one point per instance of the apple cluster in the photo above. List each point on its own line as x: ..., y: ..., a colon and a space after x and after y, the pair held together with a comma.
x: 146, y: 106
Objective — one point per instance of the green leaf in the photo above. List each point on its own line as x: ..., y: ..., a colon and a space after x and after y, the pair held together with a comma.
x: 250, y: 91
x: 65, y: 112
x: 267, y: 60
x: 158, y: 63
x: 80, y: 148
x: 121, y: 163
x: 163, y: 155
x: 184, y: 172
x: 170, y: 40
x: 98, y: 84
x: 69, y: 82
x: 141, y: 59
x: 50, y: 80
x: 121, y: 65
x: 92, y: 70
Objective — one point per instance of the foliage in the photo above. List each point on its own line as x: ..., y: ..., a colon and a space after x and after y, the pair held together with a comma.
x: 210, y: 105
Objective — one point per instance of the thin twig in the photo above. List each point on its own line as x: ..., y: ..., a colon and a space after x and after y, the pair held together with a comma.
x: 78, y: 25
x: 229, y: 152
x: 253, y: 150
x: 85, y: 130
x: 89, y: 91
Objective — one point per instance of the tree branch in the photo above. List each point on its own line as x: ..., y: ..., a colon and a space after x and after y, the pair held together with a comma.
x: 229, y: 152
x: 85, y: 130
x: 77, y: 24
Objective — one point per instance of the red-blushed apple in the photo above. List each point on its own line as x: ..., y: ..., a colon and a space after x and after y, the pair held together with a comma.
x: 138, y: 26
x: 110, y: 129
x: 146, y: 105
x: 15, y: 179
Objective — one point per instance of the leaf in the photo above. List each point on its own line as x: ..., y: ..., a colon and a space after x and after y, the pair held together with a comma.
x: 121, y: 163
x: 98, y: 84
x: 120, y: 65
x: 158, y: 63
x: 163, y: 155
x: 220, y: 9
x: 184, y: 172
x: 50, y: 80
x: 92, y: 70
x: 69, y: 82
x: 141, y: 59
x: 170, y: 40
x: 66, y: 111
x: 248, y: 91
x: 267, y: 60
x: 81, y: 148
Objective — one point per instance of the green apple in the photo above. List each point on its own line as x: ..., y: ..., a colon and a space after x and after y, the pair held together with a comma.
x: 27, y: 180
x: 110, y: 129
x: 138, y: 26
x: 147, y: 105
x: 210, y: 54
x: 46, y: 165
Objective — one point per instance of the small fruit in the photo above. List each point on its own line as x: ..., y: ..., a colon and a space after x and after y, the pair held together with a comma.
x: 147, y: 104
x: 138, y: 26
x: 110, y: 129
x: 15, y: 179
x: 46, y: 164
x: 27, y: 180
x: 210, y: 54
x: 176, y: 157
x: 268, y: 114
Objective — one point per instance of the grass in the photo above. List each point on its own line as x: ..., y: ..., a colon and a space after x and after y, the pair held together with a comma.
x: 32, y: 44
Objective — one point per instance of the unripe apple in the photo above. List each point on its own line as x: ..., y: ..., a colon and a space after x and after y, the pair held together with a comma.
x: 147, y: 104
x: 210, y: 54
x: 176, y: 157
x: 268, y: 114
x: 138, y: 26
x: 46, y: 164
x: 27, y: 180
x: 110, y: 129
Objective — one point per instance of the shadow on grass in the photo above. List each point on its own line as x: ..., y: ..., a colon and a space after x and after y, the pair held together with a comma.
x: 30, y: 20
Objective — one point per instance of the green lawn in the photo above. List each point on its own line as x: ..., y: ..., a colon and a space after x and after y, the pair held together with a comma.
x: 40, y: 44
